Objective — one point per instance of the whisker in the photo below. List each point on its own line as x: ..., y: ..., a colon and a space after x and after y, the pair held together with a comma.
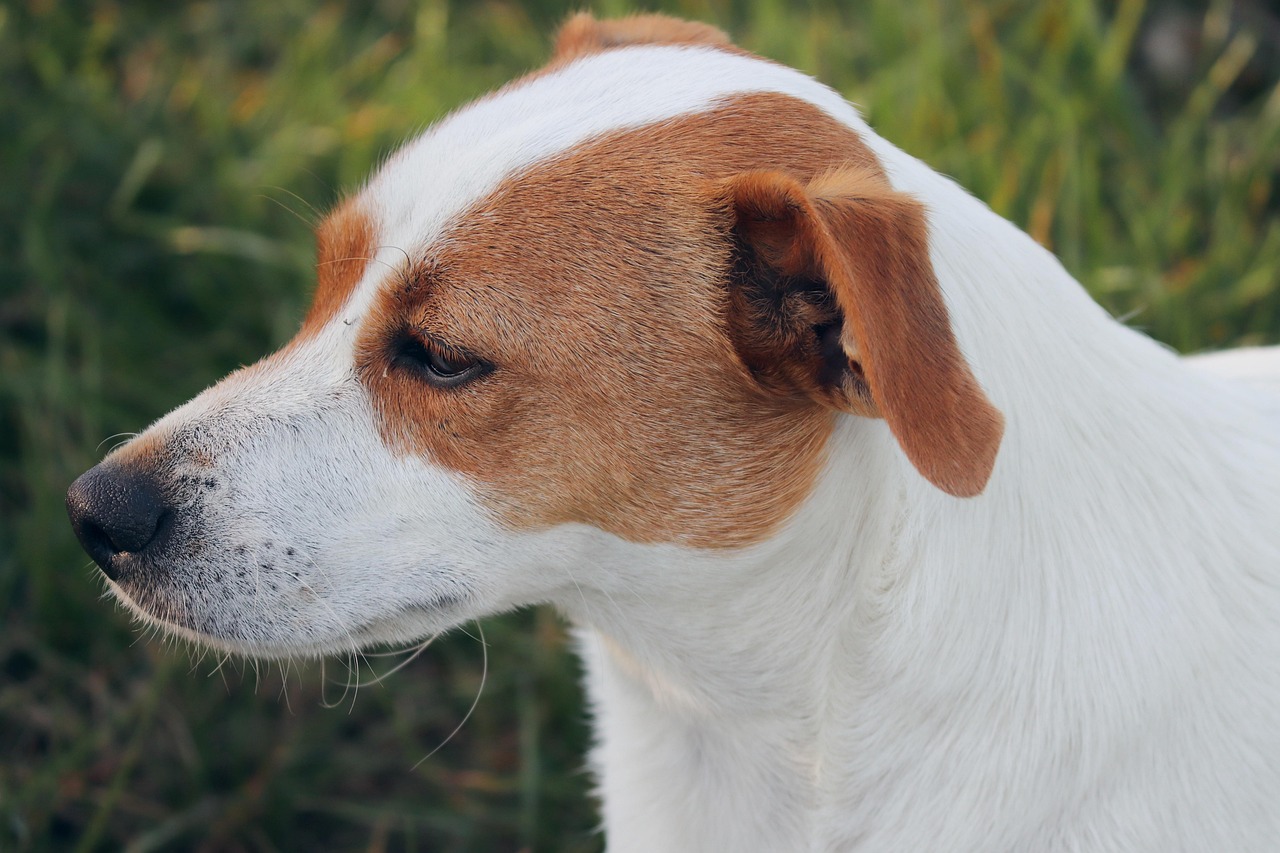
x: 285, y: 666
x: 317, y: 215
x: 484, y: 675
x: 408, y: 261
x: 218, y: 670
x: 124, y: 435
x: 355, y: 694
x: 416, y: 651
x: 365, y: 258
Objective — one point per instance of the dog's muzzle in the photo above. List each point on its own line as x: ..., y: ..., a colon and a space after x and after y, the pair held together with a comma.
x: 119, y: 514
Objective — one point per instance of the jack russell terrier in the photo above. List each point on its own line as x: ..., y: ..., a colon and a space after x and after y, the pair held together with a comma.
x: 879, y: 534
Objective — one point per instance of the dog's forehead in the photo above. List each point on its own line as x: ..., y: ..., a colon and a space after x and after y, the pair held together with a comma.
x: 431, y: 181
x: 436, y: 176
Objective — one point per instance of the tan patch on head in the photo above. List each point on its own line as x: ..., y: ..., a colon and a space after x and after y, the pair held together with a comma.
x: 582, y: 34
x: 344, y: 246
x: 633, y: 389
x: 596, y: 283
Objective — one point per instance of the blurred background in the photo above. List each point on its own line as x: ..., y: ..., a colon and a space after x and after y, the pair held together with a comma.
x: 161, y: 167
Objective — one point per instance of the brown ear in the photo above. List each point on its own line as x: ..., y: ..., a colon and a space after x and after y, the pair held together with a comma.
x: 582, y: 34
x: 834, y: 295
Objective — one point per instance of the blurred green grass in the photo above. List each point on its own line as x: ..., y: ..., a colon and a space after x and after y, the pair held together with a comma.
x: 163, y: 164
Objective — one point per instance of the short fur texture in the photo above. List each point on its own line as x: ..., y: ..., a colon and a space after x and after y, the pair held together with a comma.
x: 742, y: 359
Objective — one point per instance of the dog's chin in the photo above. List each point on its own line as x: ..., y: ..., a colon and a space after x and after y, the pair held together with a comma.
x: 254, y: 639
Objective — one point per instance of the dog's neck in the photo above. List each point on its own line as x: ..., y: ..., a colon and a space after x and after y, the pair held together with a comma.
x: 711, y: 673
x: 898, y: 651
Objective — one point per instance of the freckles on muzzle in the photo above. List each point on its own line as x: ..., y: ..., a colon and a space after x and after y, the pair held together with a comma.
x: 141, y: 526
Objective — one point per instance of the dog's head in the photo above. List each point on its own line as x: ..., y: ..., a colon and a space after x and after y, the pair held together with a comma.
x: 620, y: 301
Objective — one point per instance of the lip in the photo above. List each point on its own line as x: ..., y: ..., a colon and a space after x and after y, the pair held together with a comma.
x: 423, y: 617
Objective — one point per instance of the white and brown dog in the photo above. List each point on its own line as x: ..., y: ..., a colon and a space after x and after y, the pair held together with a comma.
x: 879, y: 533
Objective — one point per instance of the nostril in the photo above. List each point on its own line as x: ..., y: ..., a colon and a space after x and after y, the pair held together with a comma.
x: 116, y: 510
x: 98, y: 544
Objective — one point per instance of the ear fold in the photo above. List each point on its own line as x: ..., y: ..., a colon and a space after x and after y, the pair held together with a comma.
x: 582, y: 34
x: 835, y: 296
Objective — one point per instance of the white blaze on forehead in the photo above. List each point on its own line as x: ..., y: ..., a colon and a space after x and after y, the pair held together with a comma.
x: 459, y: 161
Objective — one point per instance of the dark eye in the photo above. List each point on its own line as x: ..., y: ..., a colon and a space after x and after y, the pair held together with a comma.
x: 439, y: 365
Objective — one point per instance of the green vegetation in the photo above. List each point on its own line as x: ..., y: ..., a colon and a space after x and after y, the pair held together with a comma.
x: 163, y: 164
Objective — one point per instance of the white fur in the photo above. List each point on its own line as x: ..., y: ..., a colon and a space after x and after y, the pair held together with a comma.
x: 464, y: 157
x: 1084, y: 658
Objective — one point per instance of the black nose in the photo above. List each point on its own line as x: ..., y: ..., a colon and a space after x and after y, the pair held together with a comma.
x: 115, y: 510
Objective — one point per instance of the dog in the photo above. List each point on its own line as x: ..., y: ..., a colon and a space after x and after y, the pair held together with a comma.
x: 877, y: 532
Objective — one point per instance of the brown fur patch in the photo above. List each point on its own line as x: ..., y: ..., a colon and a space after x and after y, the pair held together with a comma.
x: 582, y: 34
x: 344, y: 245
x: 596, y: 283
x: 869, y: 244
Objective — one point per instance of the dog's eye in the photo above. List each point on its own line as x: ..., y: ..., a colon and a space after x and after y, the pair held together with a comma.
x: 436, y: 363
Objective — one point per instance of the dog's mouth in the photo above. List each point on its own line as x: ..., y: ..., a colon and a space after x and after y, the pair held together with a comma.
x: 245, y: 628
x: 283, y: 558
